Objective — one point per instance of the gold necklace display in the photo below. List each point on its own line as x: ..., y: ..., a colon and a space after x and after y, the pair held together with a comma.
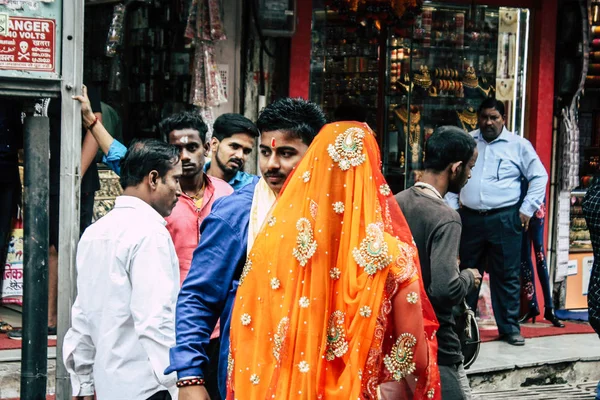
x: 467, y: 118
x: 423, y: 78
x: 470, y: 79
x: 413, y: 132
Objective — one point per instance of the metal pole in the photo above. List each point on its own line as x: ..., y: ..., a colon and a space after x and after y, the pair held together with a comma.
x: 70, y: 179
x: 34, y: 361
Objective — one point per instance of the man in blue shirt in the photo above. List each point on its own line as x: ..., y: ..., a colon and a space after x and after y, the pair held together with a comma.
x: 231, y: 144
x: 494, y: 218
x: 287, y: 127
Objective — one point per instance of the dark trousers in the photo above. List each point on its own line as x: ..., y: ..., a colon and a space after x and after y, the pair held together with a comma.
x: 211, y: 374
x: 535, y: 236
x: 451, y: 389
x: 9, y: 199
x: 162, y: 395
x: 492, y: 242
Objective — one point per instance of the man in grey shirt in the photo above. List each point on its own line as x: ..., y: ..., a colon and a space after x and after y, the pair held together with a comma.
x: 450, y: 154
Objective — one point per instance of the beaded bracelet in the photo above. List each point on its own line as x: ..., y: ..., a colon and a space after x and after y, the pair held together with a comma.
x: 192, y: 381
x: 93, y: 124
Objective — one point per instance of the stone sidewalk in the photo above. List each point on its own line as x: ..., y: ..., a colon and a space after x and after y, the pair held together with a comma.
x: 553, y: 367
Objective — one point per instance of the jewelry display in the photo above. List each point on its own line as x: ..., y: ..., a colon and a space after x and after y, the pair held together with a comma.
x: 413, y: 132
x: 467, y: 119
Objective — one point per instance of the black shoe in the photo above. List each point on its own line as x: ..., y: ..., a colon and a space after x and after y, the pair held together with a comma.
x: 17, y: 334
x: 514, y: 339
x: 549, y: 316
x: 531, y: 314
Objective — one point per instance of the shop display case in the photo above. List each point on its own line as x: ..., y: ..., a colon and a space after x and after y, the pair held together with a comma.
x: 344, y: 64
x: 411, y: 79
x: 579, y: 235
x: 439, y: 72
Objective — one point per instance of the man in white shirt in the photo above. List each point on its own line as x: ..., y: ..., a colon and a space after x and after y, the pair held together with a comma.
x: 128, y: 280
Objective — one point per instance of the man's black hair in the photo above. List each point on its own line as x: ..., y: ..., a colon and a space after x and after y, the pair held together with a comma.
x: 447, y: 145
x: 299, y: 117
x: 144, y: 156
x: 491, y: 102
x: 350, y: 110
x: 229, y: 124
x: 183, y: 120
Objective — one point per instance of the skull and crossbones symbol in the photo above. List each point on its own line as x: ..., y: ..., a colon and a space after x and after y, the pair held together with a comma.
x: 23, y: 54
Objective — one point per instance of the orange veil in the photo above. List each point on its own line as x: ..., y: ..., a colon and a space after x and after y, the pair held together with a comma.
x: 330, y: 303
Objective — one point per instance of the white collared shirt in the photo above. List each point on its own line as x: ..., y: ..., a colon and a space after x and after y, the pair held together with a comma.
x: 123, y: 320
x: 496, y: 178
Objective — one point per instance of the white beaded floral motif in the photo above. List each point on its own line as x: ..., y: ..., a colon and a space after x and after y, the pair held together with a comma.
x: 304, y: 302
x: 335, y: 273
x: 254, y: 379
x: 275, y: 283
x: 412, y: 297
x: 365, y: 311
x: 306, y: 176
x: 338, y: 207
x: 303, y: 367
x: 272, y: 221
x: 385, y: 190
x: 348, y: 148
x: 246, y: 319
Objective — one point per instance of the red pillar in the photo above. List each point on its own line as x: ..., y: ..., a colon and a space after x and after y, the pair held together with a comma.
x: 300, y: 51
x: 542, y: 79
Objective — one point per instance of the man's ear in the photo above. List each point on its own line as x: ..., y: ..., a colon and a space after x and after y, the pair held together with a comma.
x: 206, y: 149
x: 153, y: 179
x: 455, y: 168
x: 214, y: 143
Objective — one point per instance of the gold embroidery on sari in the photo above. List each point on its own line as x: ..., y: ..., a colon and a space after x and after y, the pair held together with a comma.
x: 348, y: 149
x: 400, y: 360
x: 246, y: 270
x: 337, y: 345
x: 406, y: 261
x: 279, y: 337
x: 305, y: 245
x: 372, y: 254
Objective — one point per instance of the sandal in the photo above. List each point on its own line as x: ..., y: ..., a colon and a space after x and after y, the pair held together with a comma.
x: 5, y: 327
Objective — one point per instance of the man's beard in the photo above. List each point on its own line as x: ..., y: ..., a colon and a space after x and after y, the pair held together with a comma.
x: 225, y: 168
x: 455, y: 185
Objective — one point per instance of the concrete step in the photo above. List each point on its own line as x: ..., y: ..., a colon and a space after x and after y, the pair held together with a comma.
x: 10, y: 373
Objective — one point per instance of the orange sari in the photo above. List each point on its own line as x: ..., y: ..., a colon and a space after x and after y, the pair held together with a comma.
x: 330, y: 303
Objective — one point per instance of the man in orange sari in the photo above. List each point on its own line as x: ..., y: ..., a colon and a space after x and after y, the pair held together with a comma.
x: 330, y: 303
x: 287, y: 127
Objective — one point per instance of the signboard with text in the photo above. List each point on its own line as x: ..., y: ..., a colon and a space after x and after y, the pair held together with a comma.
x: 30, y: 39
x: 28, y: 44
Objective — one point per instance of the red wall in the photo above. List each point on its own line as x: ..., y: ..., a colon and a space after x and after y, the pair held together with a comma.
x: 300, y: 51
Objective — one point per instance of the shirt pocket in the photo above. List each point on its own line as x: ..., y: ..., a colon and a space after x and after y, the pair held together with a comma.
x: 506, y: 169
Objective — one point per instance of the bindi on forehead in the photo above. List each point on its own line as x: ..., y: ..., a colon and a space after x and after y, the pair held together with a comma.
x: 184, y: 140
x: 273, y: 143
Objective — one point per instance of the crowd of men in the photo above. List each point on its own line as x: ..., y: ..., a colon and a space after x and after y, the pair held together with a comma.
x: 169, y: 257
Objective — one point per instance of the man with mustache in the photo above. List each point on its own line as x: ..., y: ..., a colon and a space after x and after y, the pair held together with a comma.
x: 494, y: 218
x: 287, y: 128
x: 127, y: 284
x: 187, y: 131
x: 231, y: 145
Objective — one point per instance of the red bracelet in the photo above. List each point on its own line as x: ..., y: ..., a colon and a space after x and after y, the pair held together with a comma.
x: 93, y: 123
x: 190, y: 382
